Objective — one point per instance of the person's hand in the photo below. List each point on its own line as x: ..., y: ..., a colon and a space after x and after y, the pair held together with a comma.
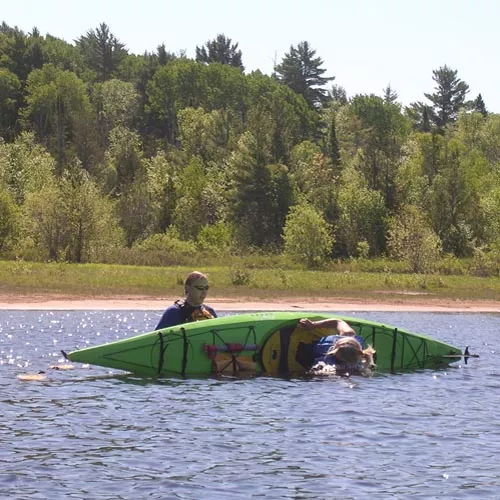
x: 306, y: 323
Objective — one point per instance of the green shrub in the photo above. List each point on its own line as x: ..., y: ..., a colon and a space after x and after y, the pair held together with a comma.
x: 485, y: 262
x: 240, y: 277
x: 215, y: 239
x: 306, y: 235
x: 450, y: 265
x: 26, y: 249
x: 8, y: 219
x: 363, y: 250
x: 411, y: 239
x: 163, y: 249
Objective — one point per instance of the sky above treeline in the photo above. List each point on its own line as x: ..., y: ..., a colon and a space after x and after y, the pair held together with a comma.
x: 365, y: 44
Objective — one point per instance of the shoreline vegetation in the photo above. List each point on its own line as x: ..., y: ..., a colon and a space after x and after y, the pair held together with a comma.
x: 62, y: 286
x: 275, y: 185
x: 161, y: 159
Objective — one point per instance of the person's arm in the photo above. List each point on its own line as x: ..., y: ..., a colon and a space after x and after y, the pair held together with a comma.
x: 211, y: 311
x: 338, y: 324
x: 171, y: 317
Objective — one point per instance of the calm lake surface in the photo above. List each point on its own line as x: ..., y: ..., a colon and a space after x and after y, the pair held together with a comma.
x: 92, y: 433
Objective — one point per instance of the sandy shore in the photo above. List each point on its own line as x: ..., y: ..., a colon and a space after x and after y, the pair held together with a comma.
x: 42, y: 302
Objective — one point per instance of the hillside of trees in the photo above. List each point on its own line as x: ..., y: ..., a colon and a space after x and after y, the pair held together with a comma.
x: 107, y: 156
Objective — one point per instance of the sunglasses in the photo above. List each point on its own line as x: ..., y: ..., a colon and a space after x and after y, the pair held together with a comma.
x: 201, y: 288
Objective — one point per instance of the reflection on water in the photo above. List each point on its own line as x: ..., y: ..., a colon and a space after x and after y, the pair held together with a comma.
x: 96, y: 433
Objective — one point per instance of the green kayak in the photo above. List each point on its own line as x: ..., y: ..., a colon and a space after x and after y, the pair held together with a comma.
x: 258, y: 343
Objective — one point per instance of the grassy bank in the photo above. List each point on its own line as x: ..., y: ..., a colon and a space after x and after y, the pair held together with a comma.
x: 101, y: 280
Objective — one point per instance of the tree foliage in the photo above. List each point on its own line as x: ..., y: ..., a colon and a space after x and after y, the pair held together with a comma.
x: 102, y: 51
x: 260, y: 192
x: 135, y: 211
x: 55, y: 100
x: 124, y: 158
x: 411, y: 239
x: 25, y: 167
x: 448, y: 98
x: 8, y: 219
x: 190, y: 213
x: 361, y: 216
x: 390, y: 95
x: 118, y: 104
x: 69, y: 220
x: 306, y: 235
x: 220, y: 50
x: 10, y: 97
x: 479, y: 105
x: 107, y: 155
x: 302, y: 72
x: 380, y: 130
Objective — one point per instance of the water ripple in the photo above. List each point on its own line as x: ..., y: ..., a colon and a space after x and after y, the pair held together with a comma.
x: 100, y: 434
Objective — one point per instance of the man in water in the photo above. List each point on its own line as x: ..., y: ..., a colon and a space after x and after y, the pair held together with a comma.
x: 345, y: 355
x: 191, y: 308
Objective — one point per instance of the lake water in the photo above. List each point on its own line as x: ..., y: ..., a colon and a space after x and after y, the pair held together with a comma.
x: 91, y: 433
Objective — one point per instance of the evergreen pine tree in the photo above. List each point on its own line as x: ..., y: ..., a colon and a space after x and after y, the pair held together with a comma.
x: 302, y: 72
x: 102, y: 51
x: 478, y: 105
x: 220, y: 50
x: 449, y: 97
x: 390, y: 95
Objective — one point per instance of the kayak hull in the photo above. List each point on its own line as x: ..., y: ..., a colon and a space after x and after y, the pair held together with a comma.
x: 257, y: 343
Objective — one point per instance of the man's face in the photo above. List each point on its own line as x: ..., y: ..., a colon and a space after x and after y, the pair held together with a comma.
x: 196, y: 292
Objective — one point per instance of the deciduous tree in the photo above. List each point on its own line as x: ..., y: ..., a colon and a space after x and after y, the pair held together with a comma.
x: 70, y: 220
x: 117, y: 103
x: 376, y: 129
x: 10, y: 98
x: 55, y: 100
x: 124, y: 157
x: 306, y: 235
x: 362, y: 215
x: 8, y: 219
x: 412, y: 240
x: 25, y: 167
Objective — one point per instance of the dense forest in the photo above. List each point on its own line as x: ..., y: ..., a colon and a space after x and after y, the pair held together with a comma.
x: 107, y: 156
